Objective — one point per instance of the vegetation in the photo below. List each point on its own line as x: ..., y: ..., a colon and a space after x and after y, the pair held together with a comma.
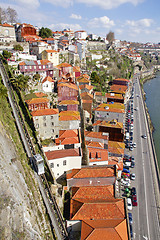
x: 18, y: 47
x: 8, y: 15
x: 45, y: 32
x: 6, y: 54
x: 110, y: 37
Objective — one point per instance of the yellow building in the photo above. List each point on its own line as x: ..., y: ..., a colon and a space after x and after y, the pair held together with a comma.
x: 51, y: 55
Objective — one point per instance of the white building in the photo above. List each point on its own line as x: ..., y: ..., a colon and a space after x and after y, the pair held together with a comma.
x: 48, y: 84
x: 63, y: 160
x: 80, y: 34
x: 7, y: 33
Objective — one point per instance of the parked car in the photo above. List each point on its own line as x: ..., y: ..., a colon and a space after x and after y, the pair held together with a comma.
x: 130, y: 218
x: 134, y: 200
x: 127, y: 164
x: 131, y: 148
x: 133, y: 191
x: 134, y: 145
x: 133, y: 176
x: 129, y: 204
x: 131, y: 231
x: 132, y: 164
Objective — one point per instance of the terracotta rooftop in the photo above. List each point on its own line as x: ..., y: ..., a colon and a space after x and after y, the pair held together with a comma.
x: 37, y: 100
x: 122, y: 79
x: 97, y: 154
x: 99, y: 211
x: 113, y: 124
x: 104, y: 229
x: 69, y: 102
x: 93, y: 194
x: 118, y: 88
x: 40, y: 94
x: 115, y: 144
x: 51, y: 155
x: 118, y: 161
x: 92, y: 172
x: 69, y: 113
x: 84, y: 94
x: 68, y: 133
x: 94, y: 144
x: 48, y: 78
x: 64, y: 65
x: 6, y: 25
x: 69, y: 118
x: 44, y: 112
x: 99, y: 135
x: 51, y: 51
x: 111, y: 107
x: 89, y: 87
x: 69, y: 85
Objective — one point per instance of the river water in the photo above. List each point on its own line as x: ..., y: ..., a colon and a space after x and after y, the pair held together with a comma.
x: 152, y: 90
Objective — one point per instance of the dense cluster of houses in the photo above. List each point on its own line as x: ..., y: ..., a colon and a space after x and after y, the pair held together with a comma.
x: 96, y: 209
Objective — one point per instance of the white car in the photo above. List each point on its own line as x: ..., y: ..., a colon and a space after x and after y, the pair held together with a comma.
x: 134, y: 145
x: 133, y: 176
x: 126, y: 182
x: 129, y: 204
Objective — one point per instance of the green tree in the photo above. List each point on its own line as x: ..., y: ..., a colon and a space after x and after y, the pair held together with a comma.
x: 45, y: 32
x: 94, y: 77
x: 20, y: 82
x: 18, y: 47
x: 36, y: 76
x: 3, y: 91
x: 6, y: 54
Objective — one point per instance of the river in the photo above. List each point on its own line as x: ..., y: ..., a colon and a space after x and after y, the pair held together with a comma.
x: 152, y: 90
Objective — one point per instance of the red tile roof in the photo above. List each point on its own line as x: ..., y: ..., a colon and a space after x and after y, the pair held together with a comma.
x: 94, y: 194
x: 64, y: 65
x: 6, y: 25
x: 44, y: 112
x: 99, y: 135
x: 40, y: 94
x: 111, y: 107
x: 118, y: 88
x: 37, y: 100
x: 113, y: 124
x: 69, y: 85
x: 69, y: 102
x: 97, y: 154
x: 104, y: 229
x: 48, y: 78
x: 89, y: 87
x: 51, y: 155
x: 92, y: 172
x: 51, y: 51
x: 100, y: 211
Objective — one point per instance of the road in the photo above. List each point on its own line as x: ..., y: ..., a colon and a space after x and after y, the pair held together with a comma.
x: 145, y: 216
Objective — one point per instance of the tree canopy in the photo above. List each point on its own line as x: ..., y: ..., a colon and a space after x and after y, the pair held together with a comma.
x: 110, y: 37
x: 6, y: 54
x: 8, y: 15
x: 45, y: 32
x: 18, y: 47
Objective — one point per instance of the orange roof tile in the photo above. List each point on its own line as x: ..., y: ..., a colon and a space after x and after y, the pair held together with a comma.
x: 40, y: 94
x: 97, y: 154
x: 69, y: 85
x: 69, y: 113
x: 118, y: 88
x: 64, y: 65
x: 113, y: 123
x: 114, y: 107
x: 99, y: 135
x: 94, y: 194
x: 84, y: 94
x: 68, y: 102
x: 93, y: 172
x: 37, y: 100
x: 68, y: 133
x: 122, y: 79
x: 100, y: 211
x: 6, y: 25
x: 104, y: 229
x: 48, y: 78
x: 51, y: 51
x: 89, y: 87
x: 69, y: 118
x: 44, y: 112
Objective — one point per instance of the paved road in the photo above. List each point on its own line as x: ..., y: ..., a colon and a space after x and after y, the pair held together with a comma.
x: 145, y: 217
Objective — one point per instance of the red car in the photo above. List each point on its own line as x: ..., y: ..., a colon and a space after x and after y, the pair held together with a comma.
x: 134, y: 200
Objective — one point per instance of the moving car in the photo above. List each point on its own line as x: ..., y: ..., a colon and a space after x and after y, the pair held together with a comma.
x: 144, y: 136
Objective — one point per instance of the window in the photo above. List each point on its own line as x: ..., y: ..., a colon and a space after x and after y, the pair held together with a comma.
x: 52, y: 130
x: 57, y: 165
x: 44, y: 124
x: 52, y: 165
x: 43, y: 66
x: 52, y: 123
x: 39, y: 67
x: 34, y: 67
x: 64, y: 162
x: 51, y: 117
x: 44, y: 118
x: 57, y: 174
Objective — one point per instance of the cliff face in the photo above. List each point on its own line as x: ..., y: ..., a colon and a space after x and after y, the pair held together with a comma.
x: 21, y: 210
